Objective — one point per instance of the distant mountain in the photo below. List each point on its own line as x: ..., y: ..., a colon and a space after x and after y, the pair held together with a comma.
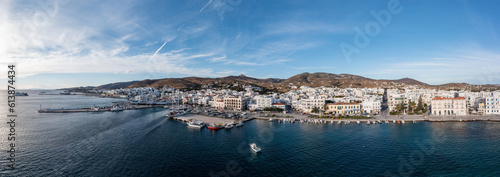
x: 304, y: 79
x: 117, y: 85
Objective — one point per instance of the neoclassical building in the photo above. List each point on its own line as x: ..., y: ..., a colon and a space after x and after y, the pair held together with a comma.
x: 343, y: 108
x: 449, y: 106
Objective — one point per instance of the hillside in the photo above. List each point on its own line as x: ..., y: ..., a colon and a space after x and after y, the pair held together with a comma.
x: 303, y: 79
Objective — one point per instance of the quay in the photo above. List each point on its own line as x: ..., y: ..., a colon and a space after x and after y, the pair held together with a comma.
x: 208, y: 119
x: 102, y: 109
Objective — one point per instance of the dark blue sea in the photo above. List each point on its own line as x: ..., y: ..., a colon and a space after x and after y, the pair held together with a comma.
x: 145, y: 143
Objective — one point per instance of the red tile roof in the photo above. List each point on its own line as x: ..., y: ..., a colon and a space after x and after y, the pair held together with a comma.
x: 278, y: 104
x: 443, y: 98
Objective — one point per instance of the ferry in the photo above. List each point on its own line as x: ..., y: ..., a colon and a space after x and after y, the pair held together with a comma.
x: 254, y: 147
x: 65, y: 93
x: 21, y: 94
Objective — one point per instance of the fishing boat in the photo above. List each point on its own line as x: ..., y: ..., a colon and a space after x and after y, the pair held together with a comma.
x: 213, y: 127
x: 254, y: 147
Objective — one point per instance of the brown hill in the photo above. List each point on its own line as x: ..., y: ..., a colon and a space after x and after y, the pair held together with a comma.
x: 303, y: 79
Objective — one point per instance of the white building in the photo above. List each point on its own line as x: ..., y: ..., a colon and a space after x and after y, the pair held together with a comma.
x: 308, y: 104
x: 492, y: 104
x: 372, y: 105
x: 449, y: 106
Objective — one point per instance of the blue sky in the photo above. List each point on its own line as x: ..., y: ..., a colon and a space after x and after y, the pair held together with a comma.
x: 78, y: 43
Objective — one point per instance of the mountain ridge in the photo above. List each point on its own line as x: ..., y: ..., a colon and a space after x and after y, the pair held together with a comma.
x: 303, y: 79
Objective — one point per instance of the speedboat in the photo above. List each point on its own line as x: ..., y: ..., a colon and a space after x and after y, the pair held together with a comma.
x: 254, y: 147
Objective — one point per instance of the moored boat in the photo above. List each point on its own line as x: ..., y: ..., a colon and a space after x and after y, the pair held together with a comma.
x: 116, y: 109
x: 196, y: 124
x: 228, y: 126
x: 213, y: 127
x: 239, y: 124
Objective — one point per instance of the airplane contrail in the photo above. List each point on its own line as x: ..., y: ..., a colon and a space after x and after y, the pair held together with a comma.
x: 206, y: 5
x: 160, y: 48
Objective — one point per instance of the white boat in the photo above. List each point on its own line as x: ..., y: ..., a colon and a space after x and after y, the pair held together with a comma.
x: 368, y: 123
x: 358, y: 122
x: 229, y: 126
x: 239, y: 124
x: 414, y: 121
x: 393, y: 121
x: 271, y: 119
x: 116, y: 109
x: 254, y: 147
x: 386, y: 121
x: 403, y: 121
x: 196, y: 124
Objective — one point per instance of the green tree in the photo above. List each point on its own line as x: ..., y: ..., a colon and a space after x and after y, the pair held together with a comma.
x: 315, y: 110
x: 420, y: 105
x: 401, y: 106
x: 411, y: 106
